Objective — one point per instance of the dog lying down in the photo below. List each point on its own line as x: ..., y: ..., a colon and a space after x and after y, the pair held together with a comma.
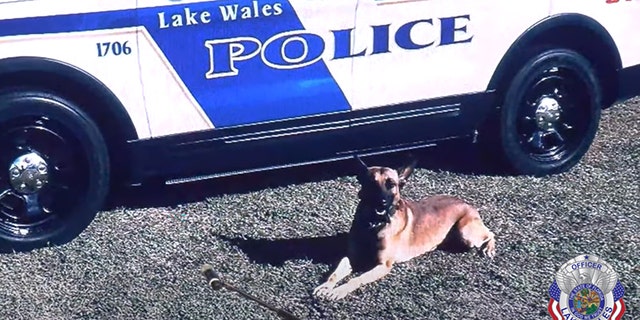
x: 388, y: 228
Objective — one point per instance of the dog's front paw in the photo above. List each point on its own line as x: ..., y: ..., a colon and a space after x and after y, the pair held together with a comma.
x: 489, y: 249
x: 323, y: 289
x: 339, y: 292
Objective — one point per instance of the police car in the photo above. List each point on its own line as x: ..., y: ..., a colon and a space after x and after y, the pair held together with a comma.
x: 96, y: 92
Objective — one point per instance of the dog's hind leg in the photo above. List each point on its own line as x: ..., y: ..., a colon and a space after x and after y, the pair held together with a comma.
x: 476, y: 235
x: 344, y: 269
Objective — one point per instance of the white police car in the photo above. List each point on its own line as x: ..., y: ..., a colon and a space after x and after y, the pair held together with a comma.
x: 93, y: 92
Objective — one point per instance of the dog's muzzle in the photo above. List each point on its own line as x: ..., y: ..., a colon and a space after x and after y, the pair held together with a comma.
x: 382, y: 206
x: 385, y: 213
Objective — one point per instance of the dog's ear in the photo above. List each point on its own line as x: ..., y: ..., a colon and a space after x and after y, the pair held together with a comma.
x: 405, y: 171
x: 363, y: 169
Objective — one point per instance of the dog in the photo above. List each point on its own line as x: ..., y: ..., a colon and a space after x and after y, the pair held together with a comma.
x: 388, y: 228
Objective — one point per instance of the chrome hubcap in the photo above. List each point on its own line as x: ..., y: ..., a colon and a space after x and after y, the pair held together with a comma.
x: 554, y: 114
x: 28, y: 173
x: 547, y: 113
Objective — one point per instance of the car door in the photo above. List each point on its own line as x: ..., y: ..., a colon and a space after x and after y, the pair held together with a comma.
x: 434, y: 55
x: 224, y: 64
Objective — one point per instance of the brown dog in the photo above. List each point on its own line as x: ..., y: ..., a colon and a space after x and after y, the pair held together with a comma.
x: 388, y: 228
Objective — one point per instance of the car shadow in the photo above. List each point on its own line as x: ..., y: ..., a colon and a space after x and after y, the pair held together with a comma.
x: 451, y: 157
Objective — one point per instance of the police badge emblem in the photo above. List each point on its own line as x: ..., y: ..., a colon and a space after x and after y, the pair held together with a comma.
x: 586, y: 288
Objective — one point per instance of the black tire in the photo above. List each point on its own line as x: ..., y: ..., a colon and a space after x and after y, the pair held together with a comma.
x: 73, y: 179
x: 538, y: 143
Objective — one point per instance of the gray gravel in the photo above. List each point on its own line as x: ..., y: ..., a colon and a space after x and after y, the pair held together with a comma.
x: 273, y: 235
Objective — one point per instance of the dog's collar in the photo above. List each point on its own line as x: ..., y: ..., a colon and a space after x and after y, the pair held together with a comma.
x: 377, y: 225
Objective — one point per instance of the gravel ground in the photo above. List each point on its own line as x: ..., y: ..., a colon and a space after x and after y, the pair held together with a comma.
x: 275, y: 236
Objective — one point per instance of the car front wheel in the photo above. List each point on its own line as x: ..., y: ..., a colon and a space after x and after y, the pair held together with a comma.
x: 54, y: 170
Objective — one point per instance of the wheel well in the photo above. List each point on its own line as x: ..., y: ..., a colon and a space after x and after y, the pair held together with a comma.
x: 570, y: 31
x: 92, y: 96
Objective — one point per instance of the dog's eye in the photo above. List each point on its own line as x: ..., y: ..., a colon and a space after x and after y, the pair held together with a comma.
x: 389, y: 183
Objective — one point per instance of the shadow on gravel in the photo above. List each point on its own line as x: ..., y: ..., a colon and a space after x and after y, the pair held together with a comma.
x: 324, y: 250
x: 320, y: 250
x: 455, y: 157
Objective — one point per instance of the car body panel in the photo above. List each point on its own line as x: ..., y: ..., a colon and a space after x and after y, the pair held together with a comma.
x: 617, y: 17
x: 465, y: 40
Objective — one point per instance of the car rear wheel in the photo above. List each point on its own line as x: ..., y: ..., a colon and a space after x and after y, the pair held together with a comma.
x: 550, y: 113
x: 54, y: 170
